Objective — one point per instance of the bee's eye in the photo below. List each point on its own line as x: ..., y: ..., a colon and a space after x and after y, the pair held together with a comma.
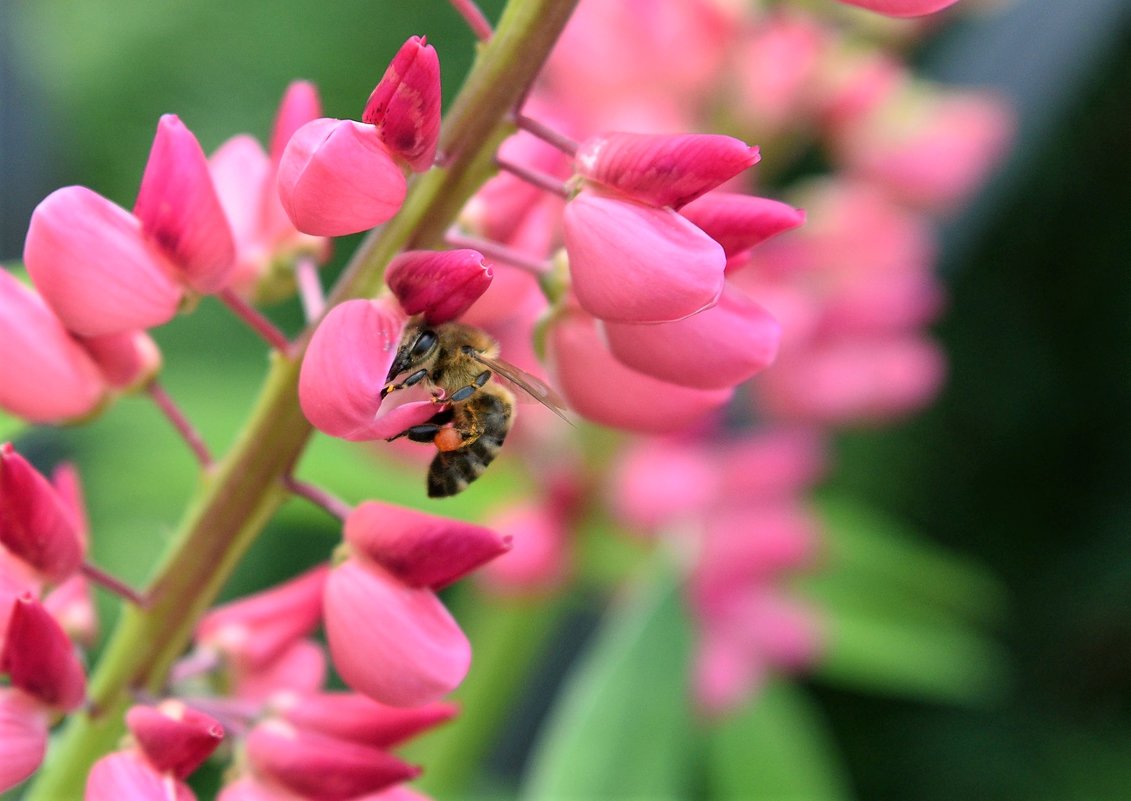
x: 423, y: 344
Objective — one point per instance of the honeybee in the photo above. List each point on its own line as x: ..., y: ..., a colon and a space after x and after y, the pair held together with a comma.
x: 477, y: 412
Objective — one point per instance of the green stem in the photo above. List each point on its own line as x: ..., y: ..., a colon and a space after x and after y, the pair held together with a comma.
x: 235, y: 501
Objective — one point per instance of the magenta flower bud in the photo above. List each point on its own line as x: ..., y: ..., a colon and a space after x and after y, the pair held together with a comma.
x: 300, y: 105
x: 394, y: 643
x: 36, y: 525
x: 633, y: 263
x: 345, y: 368
x: 39, y: 659
x: 405, y: 105
x: 180, y: 212
x: 420, y: 549
x: 48, y: 376
x: 353, y: 717
x: 321, y: 768
x: 715, y: 349
x: 739, y: 222
x: 663, y: 170
x: 902, y: 8
x: 95, y: 266
x: 255, y: 630
x: 174, y: 738
x: 585, y: 370
x: 440, y: 284
x: 337, y: 178
x: 128, y: 360
x: 23, y: 736
x: 127, y: 776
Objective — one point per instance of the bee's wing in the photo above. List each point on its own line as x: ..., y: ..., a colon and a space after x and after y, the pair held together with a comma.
x: 534, y: 387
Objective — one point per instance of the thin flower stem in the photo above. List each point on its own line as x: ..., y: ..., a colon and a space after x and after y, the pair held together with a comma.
x: 180, y: 422
x: 319, y: 497
x: 474, y: 18
x: 498, y: 252
x: 309, y: 288
x: 541, y: 180
x: 256, y: 321
x: 546, y: 133
x: 114, y: 585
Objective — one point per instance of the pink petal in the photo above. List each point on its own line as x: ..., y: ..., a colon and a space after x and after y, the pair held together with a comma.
x: 300, y: 668
x: 179, y: 210
x: 354, y: 717
x: 322, y: 768
x: 345, y: 369
x: 634, y: 263
x: 902, y: 8
x: 249, y: 788
x: 420, y: 549
x: 23, y: 736
x: 586, y: 371
x: 126, y: 776
x: 242, y: 175
x: 440, y: 284
x: 71, y: 604
x: 397, y: 644
x: 663, y: 170
x: 663, y: 482
x: 257, y: 629
x: 300, y: 105
x: 174, y: 738
x: 405, y: 105
x: 39, y: 659
x: 36, y: 525
x: 337, y: 178
x: 127, y: 360
x: 94, y: 266
x: 538, y: 561
x: 739, y: 222
x: 48, y: 377
x: 715, y: 349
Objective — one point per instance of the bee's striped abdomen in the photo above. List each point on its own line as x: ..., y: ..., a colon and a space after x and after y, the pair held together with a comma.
x: 487, y: 412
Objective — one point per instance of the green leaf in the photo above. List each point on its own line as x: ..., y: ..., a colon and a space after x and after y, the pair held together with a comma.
x: 777, y: 748
x: 622, y: 728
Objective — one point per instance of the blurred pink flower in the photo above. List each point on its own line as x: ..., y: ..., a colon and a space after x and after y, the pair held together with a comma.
x: 356, y: 718
x: 902, y: 8
x: 23, y: 736
x: 537, y: 561
x: 127, y: 776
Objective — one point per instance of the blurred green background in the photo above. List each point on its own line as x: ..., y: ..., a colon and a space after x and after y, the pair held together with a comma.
x: 1022, y: 468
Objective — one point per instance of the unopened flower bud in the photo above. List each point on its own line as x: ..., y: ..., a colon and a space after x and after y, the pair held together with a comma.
x: 174, y: 738
x: 36, y: 525
x: 405, y: 105
x: 663, y: 170
x: 440, y: 284
x: 739, y: 222
x: 420, y: 549
x: 39, y: 659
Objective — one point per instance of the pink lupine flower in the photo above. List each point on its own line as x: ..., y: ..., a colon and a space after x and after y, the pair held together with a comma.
x: 772, y: 463
x: 405, y: 649
x: 420, y: 549
x: 174, y: 738
x: 585, y: 370
x: 902, y: 8
x: 267, y: 243
x: 715, y: 349
x: 254, y: 631
x: 537, y: 562
x: 71, y: 604
x: 739, y: 222
x: 321, y: 768
x: 440, y: 284
x: 128, y: 360
x: 661, y: 482
x: 346, y: 367
x: 104, y: 270
x: 23, y: 736
x: 356, y: 718
x: 337, y: 178
x: 49, y: 377
x: 36, y: 525
x: 300, y: 668
x: 39, y: 658
x: 634, y: 263
x: 663, y: 170
x: 250, y: 788
x: 179, y: 211
x: 128, y: 776
x: 405, y: 105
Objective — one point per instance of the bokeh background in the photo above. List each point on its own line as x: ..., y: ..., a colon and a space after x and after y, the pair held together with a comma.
x: 1021, y: 469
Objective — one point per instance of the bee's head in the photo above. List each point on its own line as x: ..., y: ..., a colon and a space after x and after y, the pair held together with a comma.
x: 417, y: 345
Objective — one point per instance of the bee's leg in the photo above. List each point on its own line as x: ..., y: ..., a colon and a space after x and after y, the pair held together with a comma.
x: 463, y: 393
x: 415, y: 378
x: 426, y: 432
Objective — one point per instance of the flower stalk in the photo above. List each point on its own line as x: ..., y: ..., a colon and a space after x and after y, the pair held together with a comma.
x: 236, y: 501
